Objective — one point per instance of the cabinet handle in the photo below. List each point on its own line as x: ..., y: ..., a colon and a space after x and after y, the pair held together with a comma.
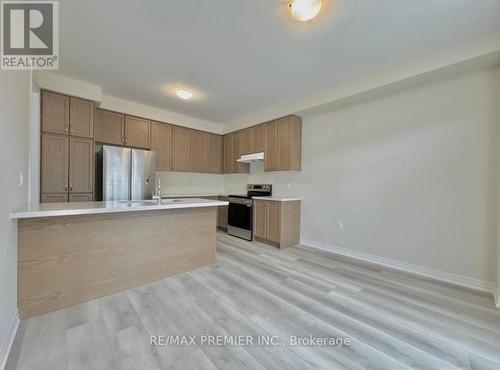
x: 71, y: 129
x: 67, y: 129
x: 71, y: 188
x: 66, y: 187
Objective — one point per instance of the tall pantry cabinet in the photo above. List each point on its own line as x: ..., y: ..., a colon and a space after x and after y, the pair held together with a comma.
x: 67, y: 148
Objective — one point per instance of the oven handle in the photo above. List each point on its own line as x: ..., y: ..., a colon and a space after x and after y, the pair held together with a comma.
x: 247, y: 202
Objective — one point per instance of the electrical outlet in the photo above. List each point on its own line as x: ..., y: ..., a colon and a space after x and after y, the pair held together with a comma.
x: 340, y: 225
x: 21, y: 179
x: 289, y: 186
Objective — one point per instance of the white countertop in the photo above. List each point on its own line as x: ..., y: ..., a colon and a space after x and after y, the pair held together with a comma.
x: 87, y: 208
x: 191, y: 195
x: 279, y: 199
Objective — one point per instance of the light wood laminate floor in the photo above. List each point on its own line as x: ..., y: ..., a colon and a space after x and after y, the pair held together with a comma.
x: 393, y: 320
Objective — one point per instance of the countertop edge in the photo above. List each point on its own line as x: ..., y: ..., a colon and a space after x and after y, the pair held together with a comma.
x: 91, y: 211
x: 279, y: 199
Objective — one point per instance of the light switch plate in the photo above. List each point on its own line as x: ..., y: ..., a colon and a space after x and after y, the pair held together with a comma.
x: 21, y: 179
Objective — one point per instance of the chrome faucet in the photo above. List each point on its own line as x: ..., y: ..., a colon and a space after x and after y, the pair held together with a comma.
x: 156, y: 194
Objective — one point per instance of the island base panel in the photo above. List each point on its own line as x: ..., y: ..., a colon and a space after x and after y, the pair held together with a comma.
x: 64, y: 261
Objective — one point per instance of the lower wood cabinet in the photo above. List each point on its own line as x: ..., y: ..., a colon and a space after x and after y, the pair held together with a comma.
x: 277, y: 222
x: 223, y: 211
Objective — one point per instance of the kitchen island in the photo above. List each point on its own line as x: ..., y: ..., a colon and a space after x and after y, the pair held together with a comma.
x: 69, y: 253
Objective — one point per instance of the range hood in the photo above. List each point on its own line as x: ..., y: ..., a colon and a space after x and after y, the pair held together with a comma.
x: 249, y: 158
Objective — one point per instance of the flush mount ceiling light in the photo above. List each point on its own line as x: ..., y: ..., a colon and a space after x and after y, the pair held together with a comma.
x: 305, y: 10
x: 184, y: 94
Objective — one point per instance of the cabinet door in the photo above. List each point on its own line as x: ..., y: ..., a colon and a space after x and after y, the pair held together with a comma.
x: 247, y: 141
x: 259, y: 218
x: 81, y: 169
x: 81, y: 197
x: 237, y: 166
x: 198, y: 151
x: 214, y: 154
x: 55, y: 113
x: 228, y: 153
x: 161, y: 143
x: 223, y: 210
x: 181, y: 143
x: 81, y: 117
x: 258, y: 138
x: 109, y: 127
x: 54, y: 166
x: 271, y: 149
x: 137, y: 132
x: 54, y: 198
x: 273, y: 222
x: 289, y: 144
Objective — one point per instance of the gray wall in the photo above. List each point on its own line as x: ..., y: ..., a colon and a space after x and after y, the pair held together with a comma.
x: 14, y: 157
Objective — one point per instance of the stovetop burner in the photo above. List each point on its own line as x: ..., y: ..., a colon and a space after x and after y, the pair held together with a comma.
x: 255, y: 190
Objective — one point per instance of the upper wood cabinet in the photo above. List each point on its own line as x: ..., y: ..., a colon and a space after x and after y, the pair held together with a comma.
x: 54, y: 163
x: 271, y: 146
x: 161, y: 143
x: 81, y: 117
x: 109, y: 127
x: 237, y: 166
x: 259, y: 138
x: 181, y: 149
x: 215, y: 154
x: 55, y: 113
x: 289, y: 144
x: 228, y: 153
x: 198, y: 151
x: 81, y: 169
x: 137, y: 132
x: 247, y: 141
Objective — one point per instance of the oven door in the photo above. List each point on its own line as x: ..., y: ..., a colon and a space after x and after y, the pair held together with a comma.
x: 239, y: 218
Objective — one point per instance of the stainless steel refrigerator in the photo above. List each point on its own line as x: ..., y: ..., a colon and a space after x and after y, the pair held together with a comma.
x: 124, y: 173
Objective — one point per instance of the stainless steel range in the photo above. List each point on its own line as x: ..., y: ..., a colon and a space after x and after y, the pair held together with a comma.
x: 240, y: 215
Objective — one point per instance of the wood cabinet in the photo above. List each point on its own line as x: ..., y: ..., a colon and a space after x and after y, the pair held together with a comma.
x: 81, y: 117
x: 271, y: 146
x: 81, y: 168
x: 67, y: 157
x: 81, y: 197
x: 289, y: 139
x: 277, y: 222
x: 137, y: 132
x: 181, y: 149
x: 223, y: 211
x: 109, y: 127
x: 54, y: 113
x: 259, y: 138
x: 198, y: 151
x: 237, y: 166
x: 247, y: 141
x: 54, y: 163
x: 260, y: 219
x: 214, y: 153
x: 54, y: 198
x: 228, y: 153
x: 161, y: 143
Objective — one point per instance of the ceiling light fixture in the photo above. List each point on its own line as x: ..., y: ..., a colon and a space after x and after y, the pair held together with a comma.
x: 305, y: 10
x: 184, y: 94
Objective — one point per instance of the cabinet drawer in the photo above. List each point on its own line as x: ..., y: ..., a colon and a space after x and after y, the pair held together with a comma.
x: 54, y: 198
x: 81, y: 197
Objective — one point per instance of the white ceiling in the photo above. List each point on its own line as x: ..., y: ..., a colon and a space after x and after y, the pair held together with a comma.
x: 245, y: 56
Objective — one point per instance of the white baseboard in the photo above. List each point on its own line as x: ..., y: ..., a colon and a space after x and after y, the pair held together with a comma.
x: 448, y: 277
x: 9, y: 340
